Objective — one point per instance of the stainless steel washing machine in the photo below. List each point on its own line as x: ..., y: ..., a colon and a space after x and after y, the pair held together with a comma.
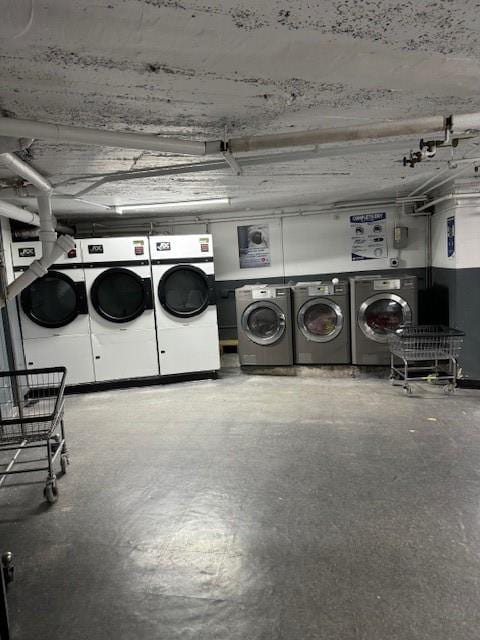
x: 321, y: 312
x: 379, y: 304
x: 264, y: 325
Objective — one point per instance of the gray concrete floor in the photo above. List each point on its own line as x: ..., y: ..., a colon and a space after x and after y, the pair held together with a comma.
x: 255, y: 508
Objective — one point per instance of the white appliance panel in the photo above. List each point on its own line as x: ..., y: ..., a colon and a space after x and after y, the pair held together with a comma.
x: 73, y: 352
x: 181, y: 247
x: 120, y: 250
x: 188, y: 349
x: 130, y: 354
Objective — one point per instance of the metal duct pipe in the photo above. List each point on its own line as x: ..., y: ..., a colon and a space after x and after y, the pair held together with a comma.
x: 431, y: 124
x: 449, y: 196
x: 21, y: 168
x: 61, y: 133
x: 47, y: 233
x: 38, y: 268
x: 15, y: 213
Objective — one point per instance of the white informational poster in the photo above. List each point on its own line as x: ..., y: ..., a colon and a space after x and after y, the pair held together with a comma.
x: 254, y: 246
x: 369, y: 236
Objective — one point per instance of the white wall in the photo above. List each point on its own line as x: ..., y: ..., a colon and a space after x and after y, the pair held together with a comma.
x: 7, y: 249
x: 322, y: 244
x: 440, y: 257
x: 225, y: 250
x: 309, y: 245
x: 468, y: 234
x: 15, y: 332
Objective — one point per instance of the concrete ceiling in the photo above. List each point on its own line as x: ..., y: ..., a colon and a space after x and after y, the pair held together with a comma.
x: 192, y: 69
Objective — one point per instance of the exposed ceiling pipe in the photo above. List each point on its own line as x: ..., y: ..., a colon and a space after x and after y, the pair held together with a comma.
x: 432, y: 124
x: 15, y: 213
x: 61, y: 133
x: 243, y: 163
x: 151, y: 142
x: 452, y: 176
x: 47, y: 234
x: 38, y: 268
x: 188, y: 219
x: 451, y: 165
x: 448, y: 196
x: 21, y: 168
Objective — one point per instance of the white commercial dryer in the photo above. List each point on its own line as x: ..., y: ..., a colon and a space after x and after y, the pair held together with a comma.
x: 264, y: 325
x: 379, y: 305
x: 186, y: 313
x: 120, y: 302
x: 321, y: 313
x: 54, y: 314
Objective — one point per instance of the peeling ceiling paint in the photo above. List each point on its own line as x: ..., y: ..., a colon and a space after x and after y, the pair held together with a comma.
x: 198, y: 70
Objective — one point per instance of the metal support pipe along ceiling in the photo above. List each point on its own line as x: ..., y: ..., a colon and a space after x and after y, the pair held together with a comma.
x: 152, y: 142
x: 433, y: 124
x: 82, y: 135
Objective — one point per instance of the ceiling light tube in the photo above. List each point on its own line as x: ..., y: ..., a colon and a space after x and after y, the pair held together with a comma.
x: 171, y: 205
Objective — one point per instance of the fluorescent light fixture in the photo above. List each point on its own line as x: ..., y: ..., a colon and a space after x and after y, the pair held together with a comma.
x: 171, y: 205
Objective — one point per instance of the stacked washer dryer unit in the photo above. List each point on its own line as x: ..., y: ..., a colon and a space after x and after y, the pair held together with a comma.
x: 379, y: 304
x: 264, y: 325
x: 321, y: 312
x: 54, y: 314
x: 186, y: 313
x: 120, y: 302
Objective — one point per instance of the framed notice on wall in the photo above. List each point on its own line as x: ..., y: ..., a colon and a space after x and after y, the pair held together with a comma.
x: 368, y: 233
x: 254, y: 246
x: 451, y: 237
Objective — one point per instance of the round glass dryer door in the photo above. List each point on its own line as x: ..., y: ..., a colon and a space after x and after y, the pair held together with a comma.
x: 52, y: 301
x: 184, y: 291
x: 320, y: 320
x: 383, y: 313
x: 263, y: 322
x: 119, y: 295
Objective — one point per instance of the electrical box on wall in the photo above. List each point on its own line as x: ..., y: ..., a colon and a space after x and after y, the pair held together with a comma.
x: 400, y: 237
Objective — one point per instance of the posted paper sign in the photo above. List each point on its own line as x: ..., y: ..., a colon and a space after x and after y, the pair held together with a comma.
x: 369, y: 236
x: 451, y: 237
x: 254, y: 246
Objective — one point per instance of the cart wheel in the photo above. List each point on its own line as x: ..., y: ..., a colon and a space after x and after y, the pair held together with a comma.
x: 51, y: 492
x: 449, y: 389
x: 392, y: 378
x: 64, y: 462
x: 407, y: 390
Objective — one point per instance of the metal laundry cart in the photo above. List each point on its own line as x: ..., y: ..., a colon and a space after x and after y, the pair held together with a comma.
x: 6, y: 577
x: 427, y: 353
x: 31, y: 414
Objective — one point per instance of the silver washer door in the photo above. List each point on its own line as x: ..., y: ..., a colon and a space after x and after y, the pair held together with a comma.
x: 263, y: 322
x: 320, y: 320
x: 382, y: 313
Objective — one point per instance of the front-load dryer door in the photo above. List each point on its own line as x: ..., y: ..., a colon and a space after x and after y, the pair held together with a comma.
x: 54, y: 300
x: 121, y: 295
x: 263, y: 322
x: 185, y: 291
x: 382, y: 313
x: 320, y: 320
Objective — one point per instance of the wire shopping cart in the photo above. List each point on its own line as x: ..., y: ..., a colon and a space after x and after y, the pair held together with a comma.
x: 428, y: 353
x: 31, y: 412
